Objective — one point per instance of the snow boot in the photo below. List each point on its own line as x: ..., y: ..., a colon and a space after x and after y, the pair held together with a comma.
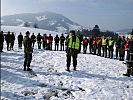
x: 29, y: 69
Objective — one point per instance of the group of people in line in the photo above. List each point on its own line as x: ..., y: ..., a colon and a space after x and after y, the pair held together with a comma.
x: 97, y: 46
x: 104, y: 46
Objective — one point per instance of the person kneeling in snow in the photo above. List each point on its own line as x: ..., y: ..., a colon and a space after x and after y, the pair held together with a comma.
x: 73, y: 46
x: 27, y: 51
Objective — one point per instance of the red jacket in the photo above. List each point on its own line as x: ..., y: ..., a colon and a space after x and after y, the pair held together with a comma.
x: 50, y: 39
x: 45, y: 38
x: 85, y: 41
x: 126, y: 46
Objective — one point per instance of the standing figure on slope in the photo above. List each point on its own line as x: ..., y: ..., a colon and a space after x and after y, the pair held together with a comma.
x: 44, y: 39
x: 33, y: 39
x: 104, y: 46
x: 1, y: 41
x: 99, y: 45
x: 8, y: 40
x: 117, y: 45
x: 50, y: 40
x: 20, y: 39
x: 85, y: 44
x: 129, y: 60
x: 56, y: 39
x: 39, y: 38
x: 62, y: 40
x: 28, y: 50
x: 73, y: 47
x: 111, y: 47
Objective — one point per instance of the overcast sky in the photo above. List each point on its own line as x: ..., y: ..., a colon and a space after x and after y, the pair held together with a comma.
x: 108, y: 14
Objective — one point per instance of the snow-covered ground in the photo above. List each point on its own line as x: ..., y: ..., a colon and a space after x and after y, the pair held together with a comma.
x: 96, y: 78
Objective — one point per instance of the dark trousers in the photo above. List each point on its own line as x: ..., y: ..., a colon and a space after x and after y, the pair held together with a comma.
x: 8, y: 43
x: 12, y: 45
x: 20, y: 44
x: 62, y: 47
x: 84, y: 48
x: 33, y: 43
x: 56, y: 46
x: 90, y: 47
x: 50, y: 45
x: 44, y: 44
x: 104, y: 48
x: 117, y: 51
x: 121, y: 54
x: 74, y: 56
x: 1, y: 46
x: 99, y: 50
x: 39, y: 44
x: 27, y: 61
x: 111, y: 52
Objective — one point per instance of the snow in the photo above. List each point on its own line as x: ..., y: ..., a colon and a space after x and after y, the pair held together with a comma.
x: 52, y: 22
x: 41, y: 18
x: 96, y: 78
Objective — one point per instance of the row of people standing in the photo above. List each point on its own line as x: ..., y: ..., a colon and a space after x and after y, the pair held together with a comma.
x: 9, y: 38
x: 102, y: 45
x: 45, y: 41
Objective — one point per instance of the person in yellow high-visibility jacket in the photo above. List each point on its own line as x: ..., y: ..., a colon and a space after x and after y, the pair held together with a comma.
x: 110, y: 47
x: 73, y: 47
x: 104, y: 46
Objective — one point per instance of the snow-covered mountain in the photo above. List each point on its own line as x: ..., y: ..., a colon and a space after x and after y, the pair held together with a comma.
x: 47, y: 20
x: 127, y: 30
x: 96, y: 78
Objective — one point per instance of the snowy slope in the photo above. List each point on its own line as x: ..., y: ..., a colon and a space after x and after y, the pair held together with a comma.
x: 97, y: 78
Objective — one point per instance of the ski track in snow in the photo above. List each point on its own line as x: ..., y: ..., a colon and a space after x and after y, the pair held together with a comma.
x: 96, y: 78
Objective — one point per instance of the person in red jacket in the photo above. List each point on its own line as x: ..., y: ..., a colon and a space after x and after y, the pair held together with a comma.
x: 50, y: 40
x: 126, y: 49
x: 44, y: 38
x: 85, y: 44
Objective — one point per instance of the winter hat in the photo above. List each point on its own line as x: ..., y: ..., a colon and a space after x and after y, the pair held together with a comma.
x: 27, y: 33
x: 73, y: 32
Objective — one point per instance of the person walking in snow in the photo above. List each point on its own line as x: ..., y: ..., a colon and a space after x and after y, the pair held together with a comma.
x: 8, y: 40
x: 85, y: 44
x: 33, y: 39
x: 39, y: 38
x: 73, y: 47
x: 56, y: 39
x: 20, y: 39
x: 62, y: 39
x: 50, y: 40
x: 1, y: 41
x: 28, y: 50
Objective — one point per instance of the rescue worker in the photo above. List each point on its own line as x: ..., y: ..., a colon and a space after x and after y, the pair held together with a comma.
x: 85, y: 44
x: 104, y: 46
x: 56, y: 39
x: 39, y: 38
x: 20, y: 39
x: 1, y: 41
x: 90, y: 44
x: 27, y: 51
x: 33, y: 39
x: 111, y: 47
x: 73, y: 47
x: 129, y: 61
x: 94, y: 45
x: 62, y: 40
x: 99, y: 45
